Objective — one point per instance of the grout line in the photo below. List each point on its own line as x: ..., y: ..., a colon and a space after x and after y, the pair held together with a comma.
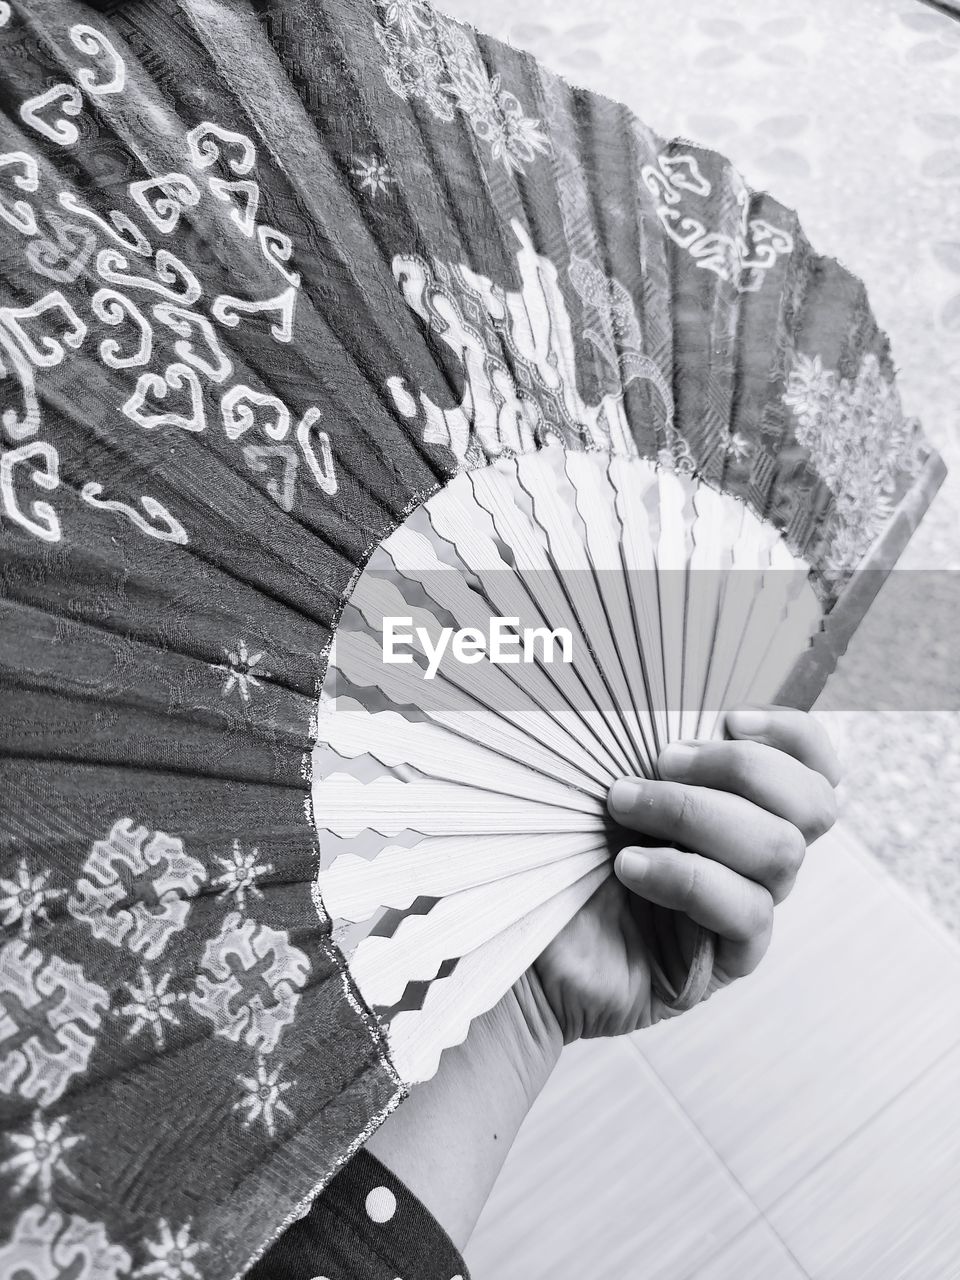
x: 761, y: 1216
x: 759, y: 1221
x: 863, y: 1126
x: 857, y: 1132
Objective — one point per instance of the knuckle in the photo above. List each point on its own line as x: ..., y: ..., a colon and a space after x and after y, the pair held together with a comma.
x: 685, y: 810
x: 788, y: 850
x: 762, y: 914
x: 690, y: 877
x: 782, y: 887
x: 750, y: 961
x: 755, y: 954
x: 826, y: 810
x: 746, y: 765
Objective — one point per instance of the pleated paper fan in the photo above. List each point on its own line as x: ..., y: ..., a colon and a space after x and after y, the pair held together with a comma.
x: 285, y: 290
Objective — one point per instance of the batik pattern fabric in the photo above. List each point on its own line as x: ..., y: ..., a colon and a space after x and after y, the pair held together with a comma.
x: 270, y: 273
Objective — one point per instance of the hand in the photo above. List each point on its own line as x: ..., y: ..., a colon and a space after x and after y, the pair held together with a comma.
x: 727, y: 827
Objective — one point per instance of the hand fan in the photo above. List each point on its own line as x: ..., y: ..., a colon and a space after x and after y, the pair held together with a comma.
x: 656, y: 600
x: 272, y: 274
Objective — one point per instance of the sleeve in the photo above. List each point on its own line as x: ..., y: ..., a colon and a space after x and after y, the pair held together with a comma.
x: 366, y: 1225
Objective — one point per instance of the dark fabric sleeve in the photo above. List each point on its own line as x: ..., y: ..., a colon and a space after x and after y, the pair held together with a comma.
x: 365, y: 1226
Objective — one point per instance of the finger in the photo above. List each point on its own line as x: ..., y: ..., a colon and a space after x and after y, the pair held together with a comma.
x: 723, y: 827
x: 735, y: 908
x: 795, y: 732
x: 768, y: 777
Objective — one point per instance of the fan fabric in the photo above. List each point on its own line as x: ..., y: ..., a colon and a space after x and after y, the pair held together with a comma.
x: 270, y: 273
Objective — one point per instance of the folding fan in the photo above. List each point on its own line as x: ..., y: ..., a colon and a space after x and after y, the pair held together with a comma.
x: 287, y: 290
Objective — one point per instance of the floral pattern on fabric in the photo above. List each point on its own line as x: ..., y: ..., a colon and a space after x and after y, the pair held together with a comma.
x: 135, y: 889
x: 46, y: 1244
x: 434, y: 60
x: 855, y: 143
x: 507, y: 406
x: 861, y: 443
x: 51, y: 1013
x: 41, y: 1155
x: 26, y: 899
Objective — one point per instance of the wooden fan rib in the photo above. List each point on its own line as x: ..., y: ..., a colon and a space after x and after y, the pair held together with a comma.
x: 736, y: 604
x: 767, y: 636
x: 451, y: 707
x: 637, y: 551
x: 799, y: 622
x: 351, y: 730
x: 763, y: 599
x: 576, y: 581
x: 672, y: 559
x: 589, y: 477
x: 483, y: 682
x: 564, y: 690
x: 714, y: 518
x: 418, y: 1037
x: 533, y: 561
x: 389, y: 806
x: 354, y: 889
x: 456, y: 925
x: 415, y: 558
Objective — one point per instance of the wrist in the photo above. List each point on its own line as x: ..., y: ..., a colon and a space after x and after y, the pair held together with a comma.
x: 529, y: 1032
x: 448, y: 1141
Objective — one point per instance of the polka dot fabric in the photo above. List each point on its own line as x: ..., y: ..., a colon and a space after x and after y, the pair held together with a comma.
x: 381, y: 1204
x: 365, y: 1226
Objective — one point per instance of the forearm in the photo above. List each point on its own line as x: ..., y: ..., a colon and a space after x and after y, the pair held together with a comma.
x: 449, y: 1140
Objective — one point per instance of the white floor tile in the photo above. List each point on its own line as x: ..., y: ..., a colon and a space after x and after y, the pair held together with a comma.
x: 856, y: 999
x: 756, y: 1253
x: 607, y: 1180
x: 884, y: 1207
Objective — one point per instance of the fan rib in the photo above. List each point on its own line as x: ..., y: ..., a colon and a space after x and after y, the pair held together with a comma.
x: 418, y: 1037
x: 533, y: 561
x: 454, y: 706
x: 576, y: 581
x: 603, y: 532
x: 508, y: 589
x: 352, y: 731
x: 390, y: 805
x: 354, y: 888
x: 451, y: 592
x: 383, y: 966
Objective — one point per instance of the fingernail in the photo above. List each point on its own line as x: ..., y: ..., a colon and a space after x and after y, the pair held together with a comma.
x: 625, y: 795
x: 631, y: 864
x: 748, y: 722
x: 677, y: 757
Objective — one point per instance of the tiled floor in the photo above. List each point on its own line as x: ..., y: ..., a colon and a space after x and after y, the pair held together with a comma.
x: 607, y: 1174
x: 805, y: 1123
x: 755, y: 1254
x: 885, y: 1203
x: 826, y: 1035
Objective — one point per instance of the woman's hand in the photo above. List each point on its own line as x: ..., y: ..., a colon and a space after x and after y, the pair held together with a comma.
x: 725, y: 831
x: 746, y: 810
